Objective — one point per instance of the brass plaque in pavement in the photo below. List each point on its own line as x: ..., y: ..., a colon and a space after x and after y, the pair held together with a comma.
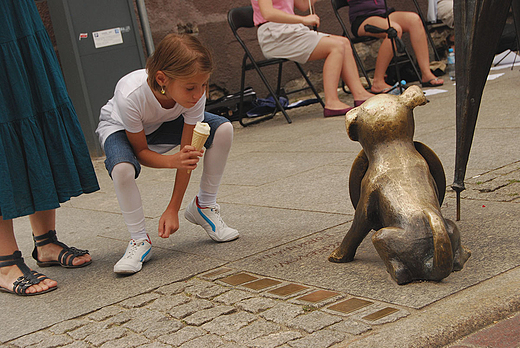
x: 217, y: 272
x: 318, y: 296
x: 380, y: 314
x: 238, y: 279
x: 350, y: 305
x: 288, y: 289
x: 262, y: 284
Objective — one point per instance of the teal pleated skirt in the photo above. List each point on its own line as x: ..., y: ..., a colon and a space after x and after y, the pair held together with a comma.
x: 44, y: 159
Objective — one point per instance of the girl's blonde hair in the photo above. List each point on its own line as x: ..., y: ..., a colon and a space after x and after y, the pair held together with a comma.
x: 178, y: 56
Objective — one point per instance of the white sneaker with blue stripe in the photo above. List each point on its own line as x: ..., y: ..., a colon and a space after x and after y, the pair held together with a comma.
x: 209, y: 218
x: 137, y: 252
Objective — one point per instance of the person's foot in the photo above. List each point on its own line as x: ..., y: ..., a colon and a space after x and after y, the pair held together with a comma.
x: 10, y: 274
x: 360, y: 99
x: 432, y: 82
x: 209, y: 218
x: 137, y: 252
x: 335, y: 108
x: 362, y: 95
x: 336, y: 105
x: 331, y: 113
x: 49, y: 252
x: 381, y: 88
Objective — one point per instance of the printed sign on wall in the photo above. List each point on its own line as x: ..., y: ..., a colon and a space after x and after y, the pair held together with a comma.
x: 109, y: 37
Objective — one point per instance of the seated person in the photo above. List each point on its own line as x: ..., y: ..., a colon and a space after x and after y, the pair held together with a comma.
x: 373, y: 12
x: 443, y: 10
x: 283, y: 34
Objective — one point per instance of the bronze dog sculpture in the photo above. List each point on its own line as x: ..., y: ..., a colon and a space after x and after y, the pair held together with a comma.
x: 397, y: 187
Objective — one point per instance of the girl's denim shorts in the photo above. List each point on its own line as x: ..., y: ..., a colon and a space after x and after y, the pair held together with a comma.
x: 118, y: 148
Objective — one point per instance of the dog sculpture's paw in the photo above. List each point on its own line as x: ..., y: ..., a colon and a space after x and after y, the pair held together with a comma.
x: 461, y: 256
x: 399, y: 272
x: 339, y: 256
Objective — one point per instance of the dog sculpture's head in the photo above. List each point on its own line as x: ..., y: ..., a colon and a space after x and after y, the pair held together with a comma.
x: 384, y: 117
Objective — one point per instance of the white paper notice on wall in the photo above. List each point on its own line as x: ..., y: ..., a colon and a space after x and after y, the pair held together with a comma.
x: 109, y: 37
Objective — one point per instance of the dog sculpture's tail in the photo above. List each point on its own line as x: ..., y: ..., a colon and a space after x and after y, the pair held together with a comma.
x: 442, y: 250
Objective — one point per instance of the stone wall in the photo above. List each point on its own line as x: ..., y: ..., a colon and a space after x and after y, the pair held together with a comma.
x: 208, y: 19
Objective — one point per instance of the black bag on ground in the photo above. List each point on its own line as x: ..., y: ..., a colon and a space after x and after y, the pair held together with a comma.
x: 406, y: 72
x: 228, y: 105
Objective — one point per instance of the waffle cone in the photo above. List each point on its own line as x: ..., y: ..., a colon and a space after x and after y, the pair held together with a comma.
x: 198, y: 140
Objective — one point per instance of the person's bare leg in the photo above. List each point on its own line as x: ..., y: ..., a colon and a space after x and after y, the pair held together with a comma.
x: 384, y: 57
x: 385, y: 53
x: 339, y: 62
x: 9, y: 274
x: 410, y: 22
x: 333, y: 54
x: 350, y: 73
x: 43, y: 222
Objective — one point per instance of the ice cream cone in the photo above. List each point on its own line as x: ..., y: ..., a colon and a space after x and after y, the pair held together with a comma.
x: 198, y: 140
x: 200, y: 135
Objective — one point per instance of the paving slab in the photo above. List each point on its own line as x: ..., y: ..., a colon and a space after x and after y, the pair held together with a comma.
x: 259, y: 228
x: 313, y: 196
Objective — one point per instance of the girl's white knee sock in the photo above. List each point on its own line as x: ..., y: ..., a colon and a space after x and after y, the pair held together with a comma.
x: 129, y: 199
x: 215, y: 160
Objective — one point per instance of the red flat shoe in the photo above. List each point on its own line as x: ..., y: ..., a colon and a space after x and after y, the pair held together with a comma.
x: 334, y: 112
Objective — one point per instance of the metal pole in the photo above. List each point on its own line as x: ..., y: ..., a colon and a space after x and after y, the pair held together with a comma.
x: 145, y: 25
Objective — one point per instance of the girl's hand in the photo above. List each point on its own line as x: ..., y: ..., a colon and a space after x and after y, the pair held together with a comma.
x: 168, y: 223
x: 186, y: 158
x: 311, y: 20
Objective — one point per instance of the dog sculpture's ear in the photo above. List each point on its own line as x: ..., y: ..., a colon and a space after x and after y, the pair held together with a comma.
x: 412, y: 97
x: 351, y: 119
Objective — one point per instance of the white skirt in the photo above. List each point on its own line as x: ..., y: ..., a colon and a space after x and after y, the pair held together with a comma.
x: 295, y: 42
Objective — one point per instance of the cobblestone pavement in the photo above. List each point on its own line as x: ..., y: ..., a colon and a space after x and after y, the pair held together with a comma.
x: 222, y: 308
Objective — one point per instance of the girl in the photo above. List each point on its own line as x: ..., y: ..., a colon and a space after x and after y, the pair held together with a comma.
x: 373, y: 12
x: 282, y: 34
x: 43, y: 154
x: 152, y: 111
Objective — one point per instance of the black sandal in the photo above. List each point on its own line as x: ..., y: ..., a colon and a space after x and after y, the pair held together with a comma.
x: 28, y: 279
x: 67, y: 255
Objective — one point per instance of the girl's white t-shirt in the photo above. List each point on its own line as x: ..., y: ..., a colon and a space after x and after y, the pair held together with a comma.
x: 134, y: 108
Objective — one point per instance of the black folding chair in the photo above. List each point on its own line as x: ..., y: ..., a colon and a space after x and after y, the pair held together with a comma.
x: 338, y: 4
x: 242, y: 17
